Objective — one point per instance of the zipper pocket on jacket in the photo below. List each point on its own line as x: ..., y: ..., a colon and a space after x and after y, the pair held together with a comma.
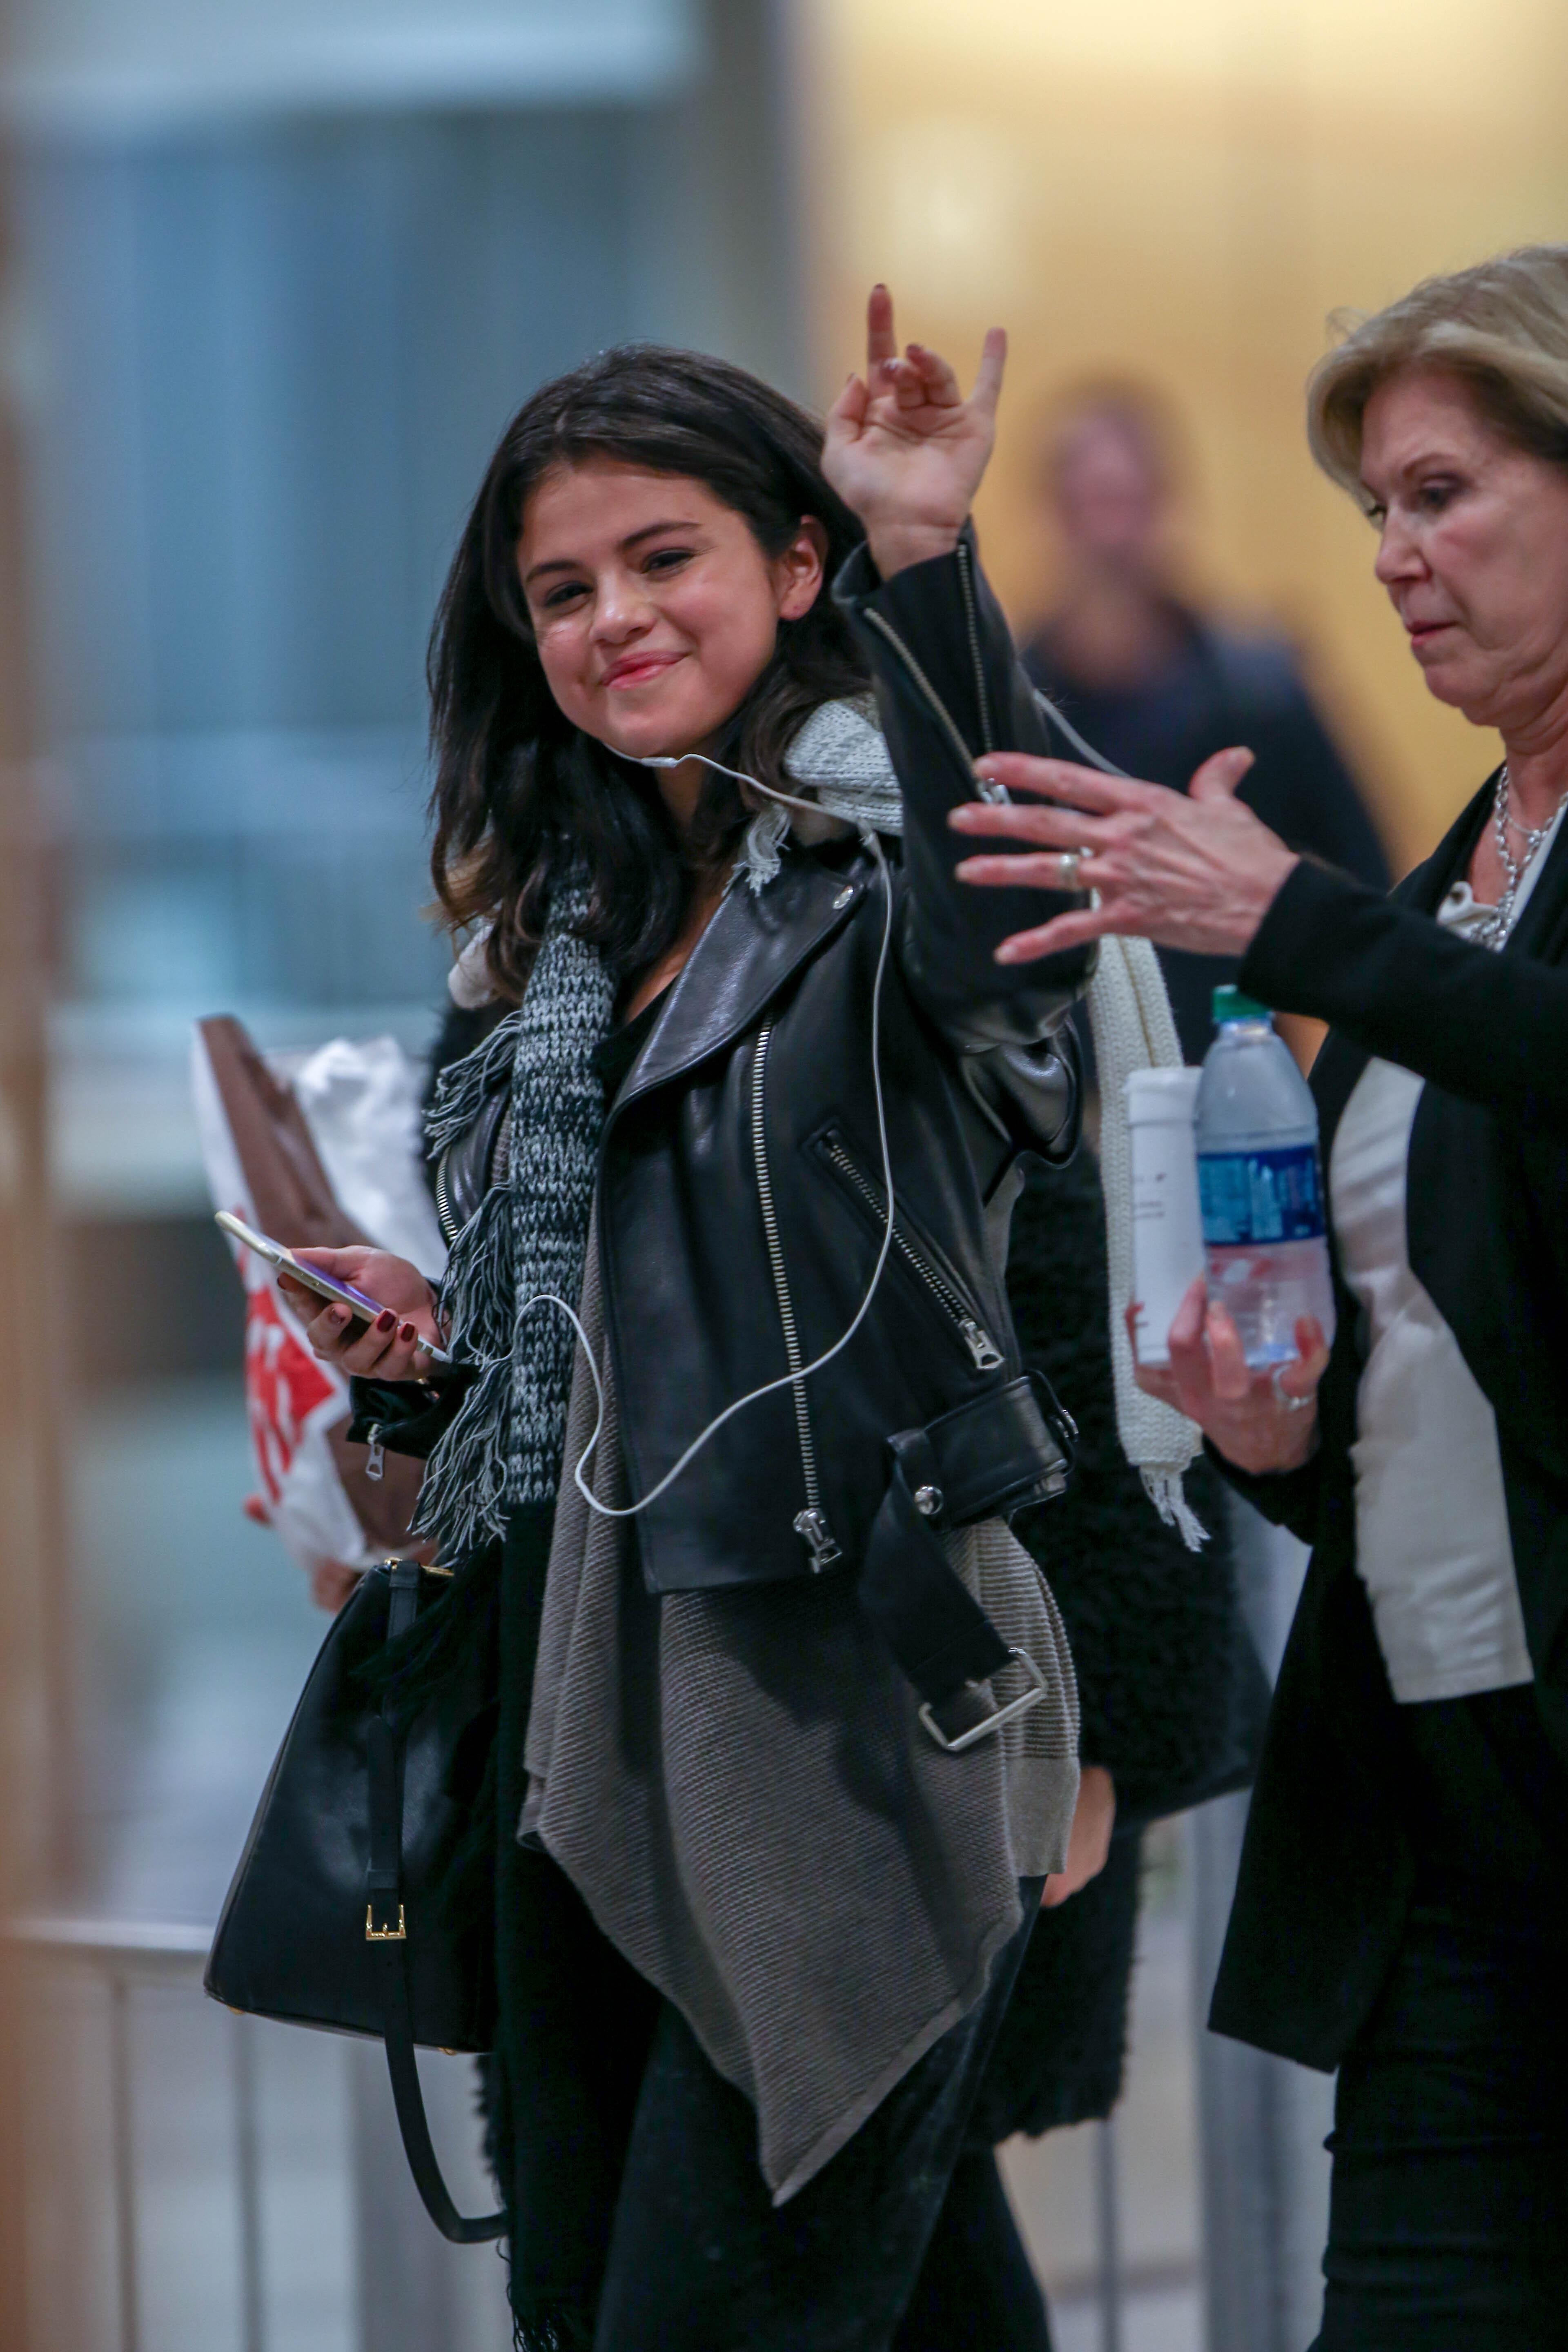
x: 986, y: 1355
x: 810, y: 1525
x: 971, y: 621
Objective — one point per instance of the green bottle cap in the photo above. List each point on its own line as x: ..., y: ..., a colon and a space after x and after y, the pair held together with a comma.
x: 1230, y: 1004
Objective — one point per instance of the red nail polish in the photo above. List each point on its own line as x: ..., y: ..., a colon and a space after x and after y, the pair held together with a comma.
x: 384, y: 1322
x: 408, y: 1332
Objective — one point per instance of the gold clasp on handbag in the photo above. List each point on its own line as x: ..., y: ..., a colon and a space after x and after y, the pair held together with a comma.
x: 374, y: 1935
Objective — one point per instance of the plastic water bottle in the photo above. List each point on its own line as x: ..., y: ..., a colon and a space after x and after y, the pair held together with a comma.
x: 1261, y: 1184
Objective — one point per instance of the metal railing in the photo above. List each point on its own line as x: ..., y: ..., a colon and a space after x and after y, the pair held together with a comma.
x: 128, y: 1957
x: 378, y: 2277
x: 123, y: 1956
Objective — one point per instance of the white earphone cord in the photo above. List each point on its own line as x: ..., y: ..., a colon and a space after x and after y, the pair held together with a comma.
x: 787, y: 1379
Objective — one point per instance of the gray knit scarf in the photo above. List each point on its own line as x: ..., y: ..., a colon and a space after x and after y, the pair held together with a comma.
x: 529, y: 1236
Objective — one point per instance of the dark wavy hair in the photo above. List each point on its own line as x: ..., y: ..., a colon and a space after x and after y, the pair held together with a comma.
x: 519, y: 791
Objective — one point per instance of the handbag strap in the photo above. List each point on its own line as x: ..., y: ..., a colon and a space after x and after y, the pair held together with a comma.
x: 386, y: 1930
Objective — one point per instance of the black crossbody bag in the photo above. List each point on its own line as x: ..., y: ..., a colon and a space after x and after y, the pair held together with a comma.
x: 341, y: 1911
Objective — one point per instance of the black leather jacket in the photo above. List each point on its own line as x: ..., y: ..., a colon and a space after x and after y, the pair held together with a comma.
x: 741, y: 1200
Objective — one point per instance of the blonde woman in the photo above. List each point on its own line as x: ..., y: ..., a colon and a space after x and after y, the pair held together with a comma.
x: 1400, y: 1912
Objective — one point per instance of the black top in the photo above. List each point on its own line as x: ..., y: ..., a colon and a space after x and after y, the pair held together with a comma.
x: 1359, y: 1802
x: 1222, y: 689
x: 1485, y: 1806
x: 614, y: 1056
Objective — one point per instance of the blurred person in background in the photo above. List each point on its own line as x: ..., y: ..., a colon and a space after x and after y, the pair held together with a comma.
x: 1155, y: 684
x: 1400, y: 1913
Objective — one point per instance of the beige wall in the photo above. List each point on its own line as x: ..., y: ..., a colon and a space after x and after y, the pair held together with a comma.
x: 1187, y: 192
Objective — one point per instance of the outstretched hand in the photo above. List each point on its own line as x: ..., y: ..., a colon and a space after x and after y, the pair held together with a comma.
x: 1195, y: 869
x: 905, y: 451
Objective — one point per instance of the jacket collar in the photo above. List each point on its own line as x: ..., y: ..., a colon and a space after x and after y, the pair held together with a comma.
x: 754, y: 944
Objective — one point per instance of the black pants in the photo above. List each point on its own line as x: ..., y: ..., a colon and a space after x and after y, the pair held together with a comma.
x: 1448, y: 2223
x: 701, y: 2259
x: 977, y: 2290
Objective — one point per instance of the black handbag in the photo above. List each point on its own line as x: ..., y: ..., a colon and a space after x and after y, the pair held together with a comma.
x: 344, y: 1912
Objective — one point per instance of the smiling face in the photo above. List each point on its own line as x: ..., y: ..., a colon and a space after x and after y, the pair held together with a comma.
x: 654, y: 607
x: 1473, y: 553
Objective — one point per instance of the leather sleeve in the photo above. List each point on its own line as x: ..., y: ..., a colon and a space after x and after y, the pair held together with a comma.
x: 950, y: 688
x: 1034, y: 1093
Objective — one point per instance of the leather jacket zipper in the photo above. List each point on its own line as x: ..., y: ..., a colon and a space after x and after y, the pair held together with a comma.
x: 938, y: 707
x: 971, y: 621
x: 444, y: 1219
x: 810, y: 1525
x: 493, y: 1129
x: 987, y: 1356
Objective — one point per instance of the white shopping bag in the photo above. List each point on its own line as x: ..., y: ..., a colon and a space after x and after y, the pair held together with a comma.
x: 318, y: 1148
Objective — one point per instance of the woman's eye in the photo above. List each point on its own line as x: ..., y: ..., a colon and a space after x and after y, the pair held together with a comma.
x: 1433, y: 497
x: 1377, y: 516
x: 557, y: 598
x: 668, y: 558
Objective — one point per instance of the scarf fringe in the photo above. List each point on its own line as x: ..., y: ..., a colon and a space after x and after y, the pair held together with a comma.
x: 464, y: 1087
x: 1162, y: 1484
x: 475, y: 1300
x: 462, y: 1502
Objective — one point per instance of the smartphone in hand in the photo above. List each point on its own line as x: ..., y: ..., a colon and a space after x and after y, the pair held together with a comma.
x: 325, y: 1286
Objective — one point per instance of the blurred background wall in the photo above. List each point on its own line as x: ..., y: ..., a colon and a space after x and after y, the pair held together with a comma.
x: 275, y: 275
x: 1184, y: 194
x: 278, y: 272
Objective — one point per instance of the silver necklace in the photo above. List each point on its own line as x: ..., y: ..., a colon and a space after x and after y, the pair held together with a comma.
x: 1514, y: 868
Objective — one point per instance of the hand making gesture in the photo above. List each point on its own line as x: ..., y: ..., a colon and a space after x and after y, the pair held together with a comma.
x: 905, y: 451
x: 1195, y: 870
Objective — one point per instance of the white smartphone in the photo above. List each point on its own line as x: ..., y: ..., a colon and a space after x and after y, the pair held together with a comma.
x: 325, y: 1286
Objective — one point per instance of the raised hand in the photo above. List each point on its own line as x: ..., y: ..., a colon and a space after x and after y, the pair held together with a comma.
x: 1195, y: 870
x: 905, y: 451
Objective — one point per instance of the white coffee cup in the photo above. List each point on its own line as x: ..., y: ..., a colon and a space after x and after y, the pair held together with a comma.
x: 1167, y: 1227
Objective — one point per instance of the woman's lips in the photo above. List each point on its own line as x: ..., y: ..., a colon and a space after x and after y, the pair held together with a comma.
x: 638, y: 670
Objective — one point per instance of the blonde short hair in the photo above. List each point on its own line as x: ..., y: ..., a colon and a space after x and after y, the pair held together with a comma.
x: 1501, y: 326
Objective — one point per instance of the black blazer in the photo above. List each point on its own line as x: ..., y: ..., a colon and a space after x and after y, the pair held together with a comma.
x: 1326, y: 1869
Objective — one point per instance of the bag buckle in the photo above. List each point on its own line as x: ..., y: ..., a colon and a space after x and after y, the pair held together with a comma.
x: 998, y: 1716
x: 374, y: 1935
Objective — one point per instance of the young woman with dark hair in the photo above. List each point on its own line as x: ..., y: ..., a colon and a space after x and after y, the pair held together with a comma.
x: 517, y: 781
x: 786, y: 1733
